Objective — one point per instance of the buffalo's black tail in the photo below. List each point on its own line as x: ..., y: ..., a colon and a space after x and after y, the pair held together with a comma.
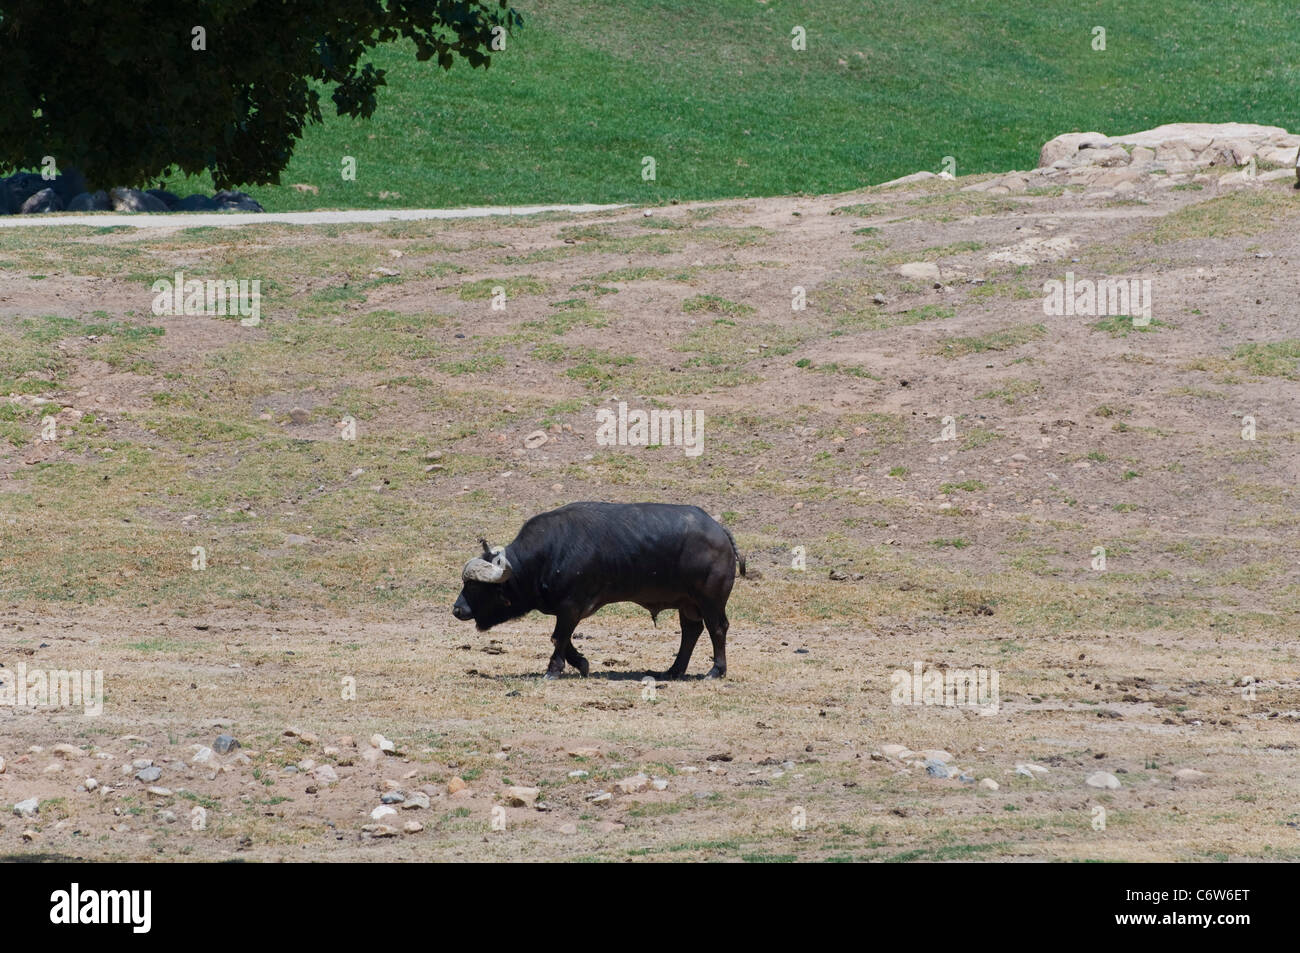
x: 739, y: 558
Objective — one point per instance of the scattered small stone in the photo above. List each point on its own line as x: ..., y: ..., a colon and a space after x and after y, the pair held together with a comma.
x: 536, y: 439
x: 66, y: 751
x: 456, y: 785
x: 638, y: 782
x: 579, y: 774
x: 149, y: 775
x: 159, y: 791
x: 392, y: 797
x: 1189, y: 775
x: 416, y: 800
x: 383, y: 744
x: 600, y: 797
x: 90, y: 784
x: 224, y: 744
x: 379, y: 830
x: 325, y: 774
x: 27, y: 808
x: 1102, y: 779
x: 521, y: 796
x: 412, y: 827
x: 988, y: 784
x: 381, y: 812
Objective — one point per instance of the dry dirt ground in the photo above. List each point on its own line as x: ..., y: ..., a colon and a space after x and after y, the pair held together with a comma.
x: 948, y: 457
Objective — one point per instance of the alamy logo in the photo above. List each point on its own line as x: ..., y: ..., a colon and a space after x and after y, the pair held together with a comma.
x: 73, y: 906
x: 210, y: 297
x: 951, y: 687
x: 1106, y: 297
x: 40, y: 688
x: 651, y: 428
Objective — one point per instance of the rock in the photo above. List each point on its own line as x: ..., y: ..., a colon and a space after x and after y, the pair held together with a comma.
x: 935, y: 754
x: 906, y: 179
x: 1189, y: 775
x: 90, y: 202
x: 412, y: 827
x: 379, y: 830
x: 90, y: 784
x: 1067, y: 146
x: 392, y: 797
x: 584, y: 752
x: 416, y: 801
x: 579, y: 774
x: 202, y: 755
x: 381, y: 812
x: 149, y: 775
x: 159, y: 791
x: 228, y: 201
x: 937, y: 769
x: 536, y: 439
x: 569, y: 829
x: 1102, y: 779
x: 224, y: 744
x: 196, y: 203
x: 299, y: 415
x: 1031, y: 770
x: 167, y: 817
x: 27, y: 808
x: 659, y: 784
x: 46, y: 200
x: 600, y: 797
x: 898, y: 752
x: 133, y: 200
x: 988, y: 784
x: 383, y: 744
x: 921, y: 270
x: 2, y: 765
x: 456, y: 785
x: 324, y: 774
x: 637, y: 782
x: 517, y: 796
x: 66, y: 751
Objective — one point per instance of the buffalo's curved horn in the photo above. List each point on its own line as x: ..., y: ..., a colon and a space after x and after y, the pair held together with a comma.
x: 481, y: 570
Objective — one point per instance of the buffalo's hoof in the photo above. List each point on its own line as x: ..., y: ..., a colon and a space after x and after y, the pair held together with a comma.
x: 717, y: 672
x: 583, y: 667
x: 550, y: 676
x: 669, y: 676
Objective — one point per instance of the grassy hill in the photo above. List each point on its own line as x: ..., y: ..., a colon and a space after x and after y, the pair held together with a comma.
x: 715, y: 93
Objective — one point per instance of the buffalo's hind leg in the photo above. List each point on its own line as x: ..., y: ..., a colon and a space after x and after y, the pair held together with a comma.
x: 718, y: 624
x: 692, y: 626
x: 576, y: 659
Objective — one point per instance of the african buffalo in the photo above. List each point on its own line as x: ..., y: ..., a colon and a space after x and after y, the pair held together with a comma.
x: 571, y: 561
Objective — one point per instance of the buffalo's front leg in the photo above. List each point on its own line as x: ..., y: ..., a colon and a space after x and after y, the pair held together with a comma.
x: 564, y: 626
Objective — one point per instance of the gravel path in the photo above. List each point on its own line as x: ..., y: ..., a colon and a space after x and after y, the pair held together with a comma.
x: 198, y: 219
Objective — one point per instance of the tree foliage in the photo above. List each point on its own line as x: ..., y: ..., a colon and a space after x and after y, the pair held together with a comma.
x: 130, y: 90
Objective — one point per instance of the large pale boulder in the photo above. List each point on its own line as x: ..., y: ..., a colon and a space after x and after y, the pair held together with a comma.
x: 1065, y: 146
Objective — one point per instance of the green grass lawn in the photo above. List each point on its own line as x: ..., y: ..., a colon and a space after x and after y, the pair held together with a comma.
x: 715, y: 93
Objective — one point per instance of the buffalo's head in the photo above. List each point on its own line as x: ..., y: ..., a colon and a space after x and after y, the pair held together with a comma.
x: 485, y: 597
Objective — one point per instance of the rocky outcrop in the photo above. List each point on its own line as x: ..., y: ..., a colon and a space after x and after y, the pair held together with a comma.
x: 1207, y: 154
